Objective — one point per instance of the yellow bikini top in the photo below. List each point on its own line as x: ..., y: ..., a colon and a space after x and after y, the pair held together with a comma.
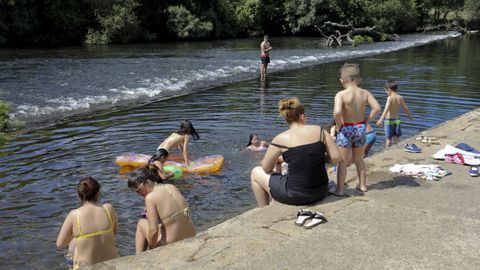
x: 185, y: 211
x: 90, y: 235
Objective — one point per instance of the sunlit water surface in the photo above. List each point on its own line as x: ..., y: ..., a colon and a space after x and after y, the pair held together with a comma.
x: 39, y: 170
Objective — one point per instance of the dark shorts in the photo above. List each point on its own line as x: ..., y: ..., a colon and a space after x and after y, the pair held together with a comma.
x: 392, y: 128
x: 280, y: 193
x: 158, y: 154
x: 265, y: 59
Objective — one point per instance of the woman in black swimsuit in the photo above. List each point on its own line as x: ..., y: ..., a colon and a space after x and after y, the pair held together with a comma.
x: 306, y: 149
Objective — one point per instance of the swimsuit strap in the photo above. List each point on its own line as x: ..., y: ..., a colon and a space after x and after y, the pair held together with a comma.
x: 321, y: 134
x: 185, y: 212
x: 109, y: 216
x: 89, y: 235
x: 279, y: 145
x: 160, y: 186
x: 78, y: 223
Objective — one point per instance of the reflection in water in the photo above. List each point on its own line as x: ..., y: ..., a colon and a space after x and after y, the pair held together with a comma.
x: 263, y: 92
x: 40, y: 169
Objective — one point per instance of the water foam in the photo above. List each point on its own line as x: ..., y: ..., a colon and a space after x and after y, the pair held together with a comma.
x: 184, y: 80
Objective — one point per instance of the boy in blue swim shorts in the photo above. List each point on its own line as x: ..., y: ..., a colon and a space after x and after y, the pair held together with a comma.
x: 390, y: 116
x: 349, y: 114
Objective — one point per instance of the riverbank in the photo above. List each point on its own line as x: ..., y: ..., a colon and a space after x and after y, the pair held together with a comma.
x: 401, y: 223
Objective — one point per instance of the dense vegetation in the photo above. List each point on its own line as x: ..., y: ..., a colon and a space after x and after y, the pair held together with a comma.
x: 6, y: 124
x: 71, y: 22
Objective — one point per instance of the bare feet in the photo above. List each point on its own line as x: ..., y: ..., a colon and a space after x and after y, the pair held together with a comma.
x: 362, y: 188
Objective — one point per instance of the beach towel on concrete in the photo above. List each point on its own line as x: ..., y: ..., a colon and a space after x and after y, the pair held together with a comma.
x: 413, y: 169
x: 429, y: 172
x: 451, y: 150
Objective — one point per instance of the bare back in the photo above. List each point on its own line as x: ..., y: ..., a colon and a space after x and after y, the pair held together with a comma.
x: 351, y: 103
x: 395, y: 101
x: 173, y: 211
x: 174, y: 140
x: 98, y: 248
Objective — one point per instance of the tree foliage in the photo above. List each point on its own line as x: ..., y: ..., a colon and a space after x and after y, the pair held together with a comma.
x: 184, y: 24
x: 69, y: 22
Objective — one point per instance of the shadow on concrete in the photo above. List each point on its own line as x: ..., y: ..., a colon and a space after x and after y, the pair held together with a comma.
x: 401, y: 180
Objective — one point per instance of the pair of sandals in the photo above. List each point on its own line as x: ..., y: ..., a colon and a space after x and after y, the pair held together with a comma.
x: 426, y: 139
x: 309, y: 219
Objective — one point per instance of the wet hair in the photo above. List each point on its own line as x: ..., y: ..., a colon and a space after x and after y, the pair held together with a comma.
x: 186, y: 127
x: 88, y: 189
x: 290, y: 109
x: 391, y: 85
x: 251, y: 137
x: 266, y: 36
x: 350, y: 72
x: 141, y: 175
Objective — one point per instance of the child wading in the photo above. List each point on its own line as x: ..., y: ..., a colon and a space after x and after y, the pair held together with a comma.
x: 390, y: 115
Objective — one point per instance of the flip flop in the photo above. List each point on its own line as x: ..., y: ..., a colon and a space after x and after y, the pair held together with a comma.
x: 430, y: 140
x: 303, y: 216
x: 420, y: 138
x: 317, y: 219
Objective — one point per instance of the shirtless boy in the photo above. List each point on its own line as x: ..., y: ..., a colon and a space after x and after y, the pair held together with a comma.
x: 349, y: 114
x: 264, y: 57
x: 390, y: 115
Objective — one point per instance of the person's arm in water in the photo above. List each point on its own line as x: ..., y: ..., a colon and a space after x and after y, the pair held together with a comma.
x: 404, y: 105
x: 332, y: 148
x: 163, y: 175
x: 153, y: 229
x: 374, y: 105
x: 337, y: 111
x: 270, y: 159
x: 66, y: 232
x: 385, y: 111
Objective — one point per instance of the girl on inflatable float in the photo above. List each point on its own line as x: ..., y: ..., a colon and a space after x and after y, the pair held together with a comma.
x: 179, y: 139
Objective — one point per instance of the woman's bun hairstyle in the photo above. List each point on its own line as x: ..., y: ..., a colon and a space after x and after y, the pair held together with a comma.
x: 88, y: 189
x: 290, y: 109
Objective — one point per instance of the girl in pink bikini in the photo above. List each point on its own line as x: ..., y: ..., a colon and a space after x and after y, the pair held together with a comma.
x: 255, y: 144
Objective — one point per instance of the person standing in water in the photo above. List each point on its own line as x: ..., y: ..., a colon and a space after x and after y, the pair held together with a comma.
x: 91, y: 228
x: 265, y: 48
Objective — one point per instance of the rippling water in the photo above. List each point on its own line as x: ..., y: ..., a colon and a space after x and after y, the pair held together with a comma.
x: 40, y: 169
x: 46, y: 84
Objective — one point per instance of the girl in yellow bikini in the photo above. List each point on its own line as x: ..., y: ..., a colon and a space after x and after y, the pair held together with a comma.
x: 167, y: 219
x: 91, y: 228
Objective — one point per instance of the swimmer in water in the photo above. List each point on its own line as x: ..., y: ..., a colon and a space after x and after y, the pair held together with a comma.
x: 255, y: 144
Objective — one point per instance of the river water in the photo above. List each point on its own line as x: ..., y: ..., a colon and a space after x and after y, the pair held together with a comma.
x: 130, y: 90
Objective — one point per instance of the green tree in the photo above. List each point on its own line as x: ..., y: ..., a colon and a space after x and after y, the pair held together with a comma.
x: 184, y: 25
x: 442, y: 8
x: 118, y: 24
x: 393, y: 16
x: 472, y: 13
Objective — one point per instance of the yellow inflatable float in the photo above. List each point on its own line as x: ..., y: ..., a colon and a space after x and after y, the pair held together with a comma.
x: 207, y: 164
